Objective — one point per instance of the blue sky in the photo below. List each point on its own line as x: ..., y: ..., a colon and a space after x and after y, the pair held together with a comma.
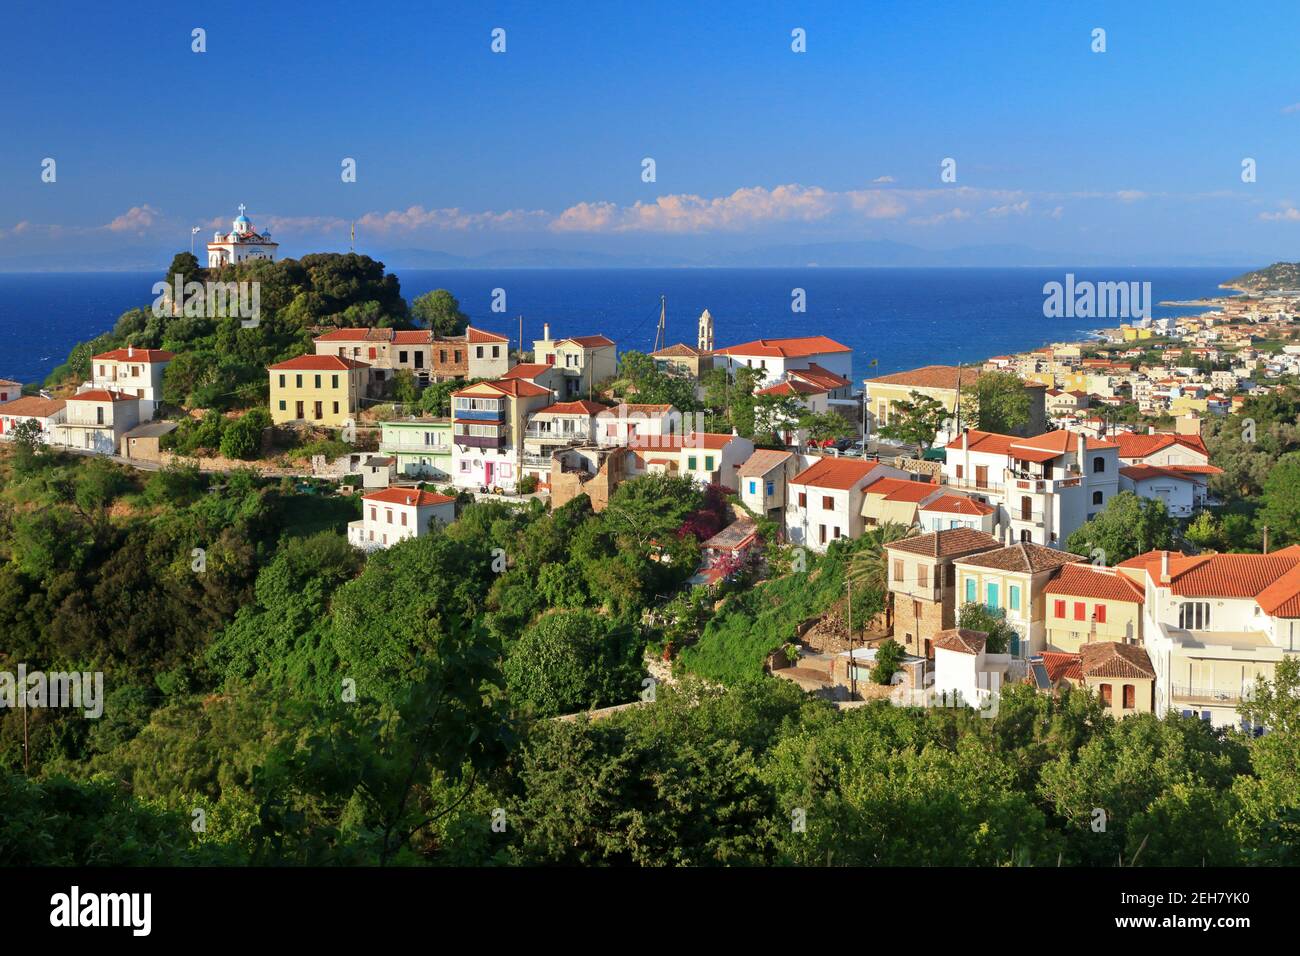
x: 1135, y: 152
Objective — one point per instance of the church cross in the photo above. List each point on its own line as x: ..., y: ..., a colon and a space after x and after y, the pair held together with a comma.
x: 241, y: 208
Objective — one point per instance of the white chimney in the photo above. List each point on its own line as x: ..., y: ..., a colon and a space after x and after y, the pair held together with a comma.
x: 546, y: 331
x: 130, y: 351
x: 1164, y: 567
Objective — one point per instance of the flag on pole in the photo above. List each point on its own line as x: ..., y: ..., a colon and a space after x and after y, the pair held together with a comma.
x: 353, y: 244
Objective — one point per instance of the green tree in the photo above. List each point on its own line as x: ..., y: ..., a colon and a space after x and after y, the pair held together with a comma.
x: 889, y: 656
x: 242, y: 438
x: 997, y: 402
x: 573, y: 660
x: 1281, y: 500
x: 1127, y: 527
x: 915, y: 421
x: 438, y: 310
x: 977, y: 617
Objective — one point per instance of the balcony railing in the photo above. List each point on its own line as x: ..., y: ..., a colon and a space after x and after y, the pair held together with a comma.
x: 536, y: 461
x: 479, y: 414
x: 1207, y: 695
x: 557, y: 435
x: 480, y: 441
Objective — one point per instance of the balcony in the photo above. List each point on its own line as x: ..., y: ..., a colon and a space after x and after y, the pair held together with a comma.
x: 480, y: 414
x: 1191, y: 694
x: 480, y: 441
x: 556, y: 436
x: 1021, y: 516
x: 535, y: 461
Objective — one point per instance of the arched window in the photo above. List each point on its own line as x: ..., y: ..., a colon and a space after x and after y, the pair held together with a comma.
x: 1098, y: 465
x: 1096, y: 497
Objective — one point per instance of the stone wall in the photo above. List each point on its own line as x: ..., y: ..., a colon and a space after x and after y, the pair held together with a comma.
x: 935, y: 617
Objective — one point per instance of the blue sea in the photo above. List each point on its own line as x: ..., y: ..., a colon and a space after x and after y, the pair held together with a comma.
x: 901, y: 318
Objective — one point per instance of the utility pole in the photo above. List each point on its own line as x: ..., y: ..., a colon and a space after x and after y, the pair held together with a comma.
x: 194, y: 231
x: 26, y: 745
x: 853, y: 664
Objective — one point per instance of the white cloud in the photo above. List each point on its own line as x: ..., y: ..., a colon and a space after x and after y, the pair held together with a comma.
x: 883, y: 179
x: 138, y: 219
x: 1293, y: 108
x: 1290, y: 214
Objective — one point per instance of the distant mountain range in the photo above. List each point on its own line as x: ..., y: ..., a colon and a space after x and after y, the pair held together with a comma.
x: 1278, y: 276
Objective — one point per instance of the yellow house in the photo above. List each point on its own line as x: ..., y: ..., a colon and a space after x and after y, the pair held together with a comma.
x: 1135, y: 334
x: 1086, y: 603
x: 1011, y: 582
x: 323, y: 390
x: 1121, y: 675
x: 1188, y: 405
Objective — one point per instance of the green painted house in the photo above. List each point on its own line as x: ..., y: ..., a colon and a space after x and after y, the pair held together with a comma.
x: 422, y: 446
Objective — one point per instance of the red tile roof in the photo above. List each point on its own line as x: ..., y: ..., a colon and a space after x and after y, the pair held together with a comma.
x: 902, y: 489
x: 1023, y: 557
x: 318, y: 363
x: 1265, y: 577
x: 817, y: 375
x: 528, y: 370
x: 792, y: 387
x: 1106, y: 584
x: 407, y: 496
x: 145, y: 356
x: 582, y: 407
x: 518, y: 387
x: 1059, y: 666
x: 356, y: 335
x: 32, y: 406
x: 479, y: 336
x: 950, y: 503
x: 102, y: 395
x: 1111, y: 659
x: 1147, y: 472
x: 796, y: 347
x: 589, y: 341
x: 1042, y: 447
x: 961, y: 640
x: 835, y: 473
x: 1132, y: 445
x: 947, y: 543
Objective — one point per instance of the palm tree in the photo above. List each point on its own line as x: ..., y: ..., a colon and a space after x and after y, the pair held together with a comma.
x: 869, y: 566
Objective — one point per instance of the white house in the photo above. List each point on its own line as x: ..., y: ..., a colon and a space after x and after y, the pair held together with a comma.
x: 1044, y: 487
x: 627, y: 422
x: 96, y: 419
x: 824, y: 501
x: 1214, y: 624
x: 965, y: 674
x: 48, y: 413
x: 763, y: 478
x: 950, y: 510
x: 9, y: 390
x: 776, y: 357
x: 704, y: 457
x: 137, y: 372
x: 1176, y: 489
x: 395, y: 514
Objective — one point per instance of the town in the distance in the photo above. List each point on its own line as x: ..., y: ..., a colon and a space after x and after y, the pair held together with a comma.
x: 1055, y: 518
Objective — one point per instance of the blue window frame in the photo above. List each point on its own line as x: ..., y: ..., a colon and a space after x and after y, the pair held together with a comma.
x: 1013, y: 597
x: 991, y: 595
x: 771, y: 488
x: 753, y: 487
x: 970, y: 590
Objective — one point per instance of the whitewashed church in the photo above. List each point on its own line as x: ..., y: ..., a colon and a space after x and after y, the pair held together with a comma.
x: 241, y: 244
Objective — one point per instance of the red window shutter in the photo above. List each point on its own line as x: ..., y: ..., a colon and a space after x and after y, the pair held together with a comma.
x: 1101, y: 613
x: 1080, y: 611
x: 373, y: 352
x: 1060, y: 609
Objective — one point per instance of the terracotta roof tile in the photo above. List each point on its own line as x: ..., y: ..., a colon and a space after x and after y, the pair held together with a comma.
x: 407, y: 496
x: 1022, y: 556
x: 951, y: 542
x: 1083, y: 580
x: 961, y: 640
x: 318, y: 363
x: 950, y: 503
x: 1111, y: 659
x: 835, y: 473
x: 762, y: 461
x: 144, y: 356
x: 796, y: 347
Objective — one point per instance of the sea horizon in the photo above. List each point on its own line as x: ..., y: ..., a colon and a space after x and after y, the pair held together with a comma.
x: 900, y: 316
